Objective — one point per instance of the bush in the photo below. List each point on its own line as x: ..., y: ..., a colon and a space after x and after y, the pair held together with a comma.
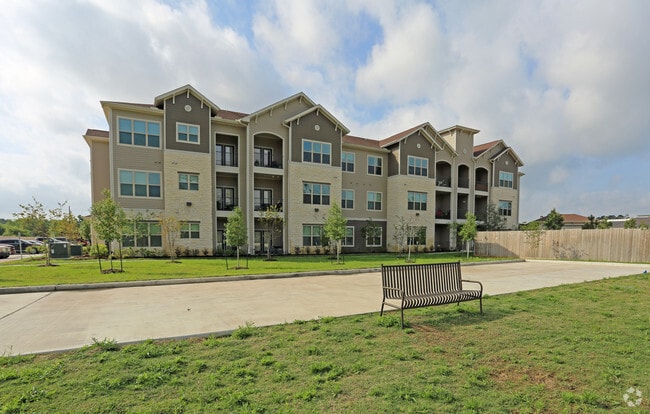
x: 92, y: 251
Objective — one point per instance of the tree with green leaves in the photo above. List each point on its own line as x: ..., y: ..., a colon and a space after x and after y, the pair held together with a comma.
x: 236, y: 231
x: 334, y: 228
x: 468, y: 230
x: 371, y: 231
x: 533, y: 232
x: 630, y: 224
x: 401, y: 233
x: 554, y: 221
x: 108, y: 221
x: 494, y: 221
x: 272, y: 221
x: 41, y: 222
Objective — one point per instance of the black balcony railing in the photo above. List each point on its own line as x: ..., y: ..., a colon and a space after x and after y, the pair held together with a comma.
x: 481, y: 186
x: 264, y: 207
x: 443, y: 181
x: 463, y: 182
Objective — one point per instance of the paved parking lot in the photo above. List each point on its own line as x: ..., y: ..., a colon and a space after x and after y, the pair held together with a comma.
x: 60, y: 320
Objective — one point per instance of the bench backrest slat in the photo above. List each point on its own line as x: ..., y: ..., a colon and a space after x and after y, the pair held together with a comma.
x: 421, y: 279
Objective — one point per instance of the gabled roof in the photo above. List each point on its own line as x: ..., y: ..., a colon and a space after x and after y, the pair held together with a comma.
x: 97, y: 133
x: 568, y: 218
x: 481, y: 148
x: 462, y: 128
x: 512, y: 153
x: 425, y: 129
x: 363, y: 142
x: 187, y: 89
x: 299, y: 96
x: 230, y: 115
x: 319, y: 109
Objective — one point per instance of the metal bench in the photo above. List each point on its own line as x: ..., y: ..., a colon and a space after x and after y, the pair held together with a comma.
x: 420, y: 285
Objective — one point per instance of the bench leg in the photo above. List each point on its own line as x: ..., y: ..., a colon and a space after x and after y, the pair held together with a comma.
x: 481, y: 304
x: 402, y: 310
x: 381, y: 312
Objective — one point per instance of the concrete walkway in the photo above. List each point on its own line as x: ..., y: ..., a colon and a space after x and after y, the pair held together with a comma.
x: 62, y: 320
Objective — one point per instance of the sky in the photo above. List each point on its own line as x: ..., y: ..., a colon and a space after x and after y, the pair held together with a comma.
x: 566, y: 84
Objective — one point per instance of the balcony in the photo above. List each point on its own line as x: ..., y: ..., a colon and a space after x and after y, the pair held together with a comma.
x: 443, y: 181
x: 481, y: 186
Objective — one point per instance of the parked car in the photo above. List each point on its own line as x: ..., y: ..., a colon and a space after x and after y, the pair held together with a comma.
x: 19, y: 244
x: 5, y: 251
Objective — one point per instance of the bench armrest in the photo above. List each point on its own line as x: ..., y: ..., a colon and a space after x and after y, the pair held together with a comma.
x: 474, y: 281
x: 400, y: 291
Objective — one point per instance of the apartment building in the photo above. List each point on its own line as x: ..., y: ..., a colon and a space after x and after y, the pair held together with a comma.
x: 184, y: 156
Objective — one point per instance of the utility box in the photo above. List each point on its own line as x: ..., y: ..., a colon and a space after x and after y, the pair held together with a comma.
x: 59, y: 250
x: 76, y: 250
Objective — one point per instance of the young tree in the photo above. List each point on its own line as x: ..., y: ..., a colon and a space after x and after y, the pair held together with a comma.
x: 108, y: 220
x: 371, y: 230
x: 236, y: 231
x: 533, y: 232
x: 335, y: 228
x: 554, y: 221
x: 468, y: 230
x: 272, y: 221
x: 494, y: 220
x: 40, y: 222
x: 400, y: 236
x: 171, y: 230
x: 630, y: 224
x: 66, y: 225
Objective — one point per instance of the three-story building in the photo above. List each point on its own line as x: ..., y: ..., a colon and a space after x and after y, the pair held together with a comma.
x: 185, y: 157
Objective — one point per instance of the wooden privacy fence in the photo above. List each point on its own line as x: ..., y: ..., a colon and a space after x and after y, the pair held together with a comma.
x: 612, y: 245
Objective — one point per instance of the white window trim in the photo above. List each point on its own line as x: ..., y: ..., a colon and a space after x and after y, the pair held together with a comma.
x: 354, y: 161
x: 198, y: 134
x: 368, y: 165
x: 302, y: 152
x: 353, y: 198
x: 512, y: 179
x: 189, y: 181
x: 160, y: 137
x: 348, y: 245
x: 382, y: 200
x: 417, y: 158
x: 119, y: 184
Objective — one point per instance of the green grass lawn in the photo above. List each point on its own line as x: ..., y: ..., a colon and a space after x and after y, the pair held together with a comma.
x: 567, y: 349
x: 31, y: 272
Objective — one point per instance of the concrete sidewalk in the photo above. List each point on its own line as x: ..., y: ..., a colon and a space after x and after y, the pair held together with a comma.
x: 61, y: 320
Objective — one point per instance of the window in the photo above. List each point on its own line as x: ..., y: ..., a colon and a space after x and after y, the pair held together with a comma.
x: 225, y: 155
x: 347, y: 161
x: 311, y: 235
x: 190, y: 231
x: 188, y: 182
x: 221, y: 240
x: 374, y: 165
x: 263, y: 157
x: 505, y: 208
x: 316, y: 152
x: 187, y: 133
x: 417, y: 201
x: 505, y: 179
x: 314, y: 193
x: 225, y: 198
x: 347, y: 199
x: 263, y: 199
x: 140, y: 133
x: 375, y: 241
x: 143, y: 234
x: 139, y: 184
x: 418, y: 166
x: 374, y: 200
x: 348, y: 240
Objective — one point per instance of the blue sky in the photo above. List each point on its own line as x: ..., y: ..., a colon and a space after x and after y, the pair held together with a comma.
x: 564, y: 83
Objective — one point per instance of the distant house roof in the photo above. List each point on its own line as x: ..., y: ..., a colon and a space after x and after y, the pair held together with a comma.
x: 97, y: 133
x: 569, y: 219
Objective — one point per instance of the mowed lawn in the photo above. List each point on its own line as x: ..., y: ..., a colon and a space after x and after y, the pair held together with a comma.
x: 31, y: 272
x: 568, y: 349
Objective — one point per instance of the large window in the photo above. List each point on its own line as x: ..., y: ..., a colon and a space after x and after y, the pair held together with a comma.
x: 143, y: 234
x: 140, y: 133
x: 347, y: 199
x: 418, y: 166
x: 348, y: 240
x: 375, y: 240
x: 311, y: 235
x: 225, y: 155
x: 190, y: 230
x: 316, y: 152
x: 263, y: 157
x: 315, y: 193
x: 374, y: 200
x: 139, y: 184
x: 417, y: 201
x: 347, y: 161
x: 187, y: 133
x: 263, y: 198
x: 374, y: 165
x: 225, y: 198
x: 505, y: 208
x: 188, y: 182
x: 505, y: 179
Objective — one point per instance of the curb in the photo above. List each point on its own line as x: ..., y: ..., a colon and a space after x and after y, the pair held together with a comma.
x: 208, y: 279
